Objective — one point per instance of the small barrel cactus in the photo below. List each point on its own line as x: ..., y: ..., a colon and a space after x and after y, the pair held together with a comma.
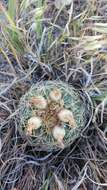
x: 52, y: 115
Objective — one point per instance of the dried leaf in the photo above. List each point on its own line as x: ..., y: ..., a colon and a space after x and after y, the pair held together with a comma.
x: 62, y: 3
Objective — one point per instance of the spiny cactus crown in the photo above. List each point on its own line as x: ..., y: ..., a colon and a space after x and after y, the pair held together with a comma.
x: 52, y: 115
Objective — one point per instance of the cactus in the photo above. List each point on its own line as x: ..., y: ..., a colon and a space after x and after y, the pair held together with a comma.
x: 61, y: 111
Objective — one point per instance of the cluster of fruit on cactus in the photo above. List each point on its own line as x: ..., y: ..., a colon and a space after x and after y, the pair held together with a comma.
x: 52, y: 113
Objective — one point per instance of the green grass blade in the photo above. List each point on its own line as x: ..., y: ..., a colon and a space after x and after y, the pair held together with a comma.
x: 12, y: 4
x: 15, y: 38
x: 100, y: 97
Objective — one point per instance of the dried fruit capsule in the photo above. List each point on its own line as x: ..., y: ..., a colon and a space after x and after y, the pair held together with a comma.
x: 33, y: 123
x: 55, y: 95
x: 66, y: 116
x: 39, y: 101
x: 58, y: 134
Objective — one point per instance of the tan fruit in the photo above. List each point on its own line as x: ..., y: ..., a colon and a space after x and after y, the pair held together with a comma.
x: 39, y: 101
x: 55, y: 95
x: 66, y: 116
x: 58, y: 134
x: 33, y: 123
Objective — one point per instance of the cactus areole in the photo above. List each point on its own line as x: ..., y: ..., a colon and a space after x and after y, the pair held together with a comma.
x: 52, y: 115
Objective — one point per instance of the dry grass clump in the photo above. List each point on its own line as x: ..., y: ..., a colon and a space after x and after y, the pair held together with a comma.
x: 52, y: 114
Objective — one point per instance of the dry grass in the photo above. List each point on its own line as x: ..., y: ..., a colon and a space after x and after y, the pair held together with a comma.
x: 69, y: 45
